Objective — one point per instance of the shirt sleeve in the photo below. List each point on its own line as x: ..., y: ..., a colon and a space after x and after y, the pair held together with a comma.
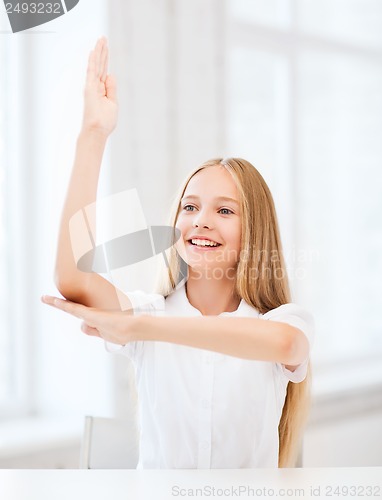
x: 143, y: 303
x: 296, y: 316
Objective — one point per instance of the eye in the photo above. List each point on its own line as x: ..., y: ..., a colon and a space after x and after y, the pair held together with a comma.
x: 188, y: 206
x: 227, y: 210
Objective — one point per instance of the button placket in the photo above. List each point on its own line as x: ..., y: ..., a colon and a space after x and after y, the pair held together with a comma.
x: 205, y: 411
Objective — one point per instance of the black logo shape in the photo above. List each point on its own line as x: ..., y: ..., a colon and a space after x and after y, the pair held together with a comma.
x: 27, y: 14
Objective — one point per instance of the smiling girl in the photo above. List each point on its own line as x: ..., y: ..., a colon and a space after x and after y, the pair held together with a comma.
x: 222, y: 361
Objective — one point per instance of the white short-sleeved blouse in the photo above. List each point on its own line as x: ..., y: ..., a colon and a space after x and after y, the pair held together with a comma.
x: 200, y: 409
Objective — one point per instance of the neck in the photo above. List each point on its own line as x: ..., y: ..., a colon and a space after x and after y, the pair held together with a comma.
x: 212, y: 296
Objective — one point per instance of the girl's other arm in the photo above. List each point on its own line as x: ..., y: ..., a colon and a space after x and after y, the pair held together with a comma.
x: 248, y: 338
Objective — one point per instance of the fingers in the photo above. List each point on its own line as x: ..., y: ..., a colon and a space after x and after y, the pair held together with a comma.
x: 72, y: 308
x: 89, y: 330
x: 111, y: 88
x: 98, y: 52
x: 109, y: 325
x: 98, y: 60
x: 48, y: 299
x: 104, y: 61
x: 91, y: 71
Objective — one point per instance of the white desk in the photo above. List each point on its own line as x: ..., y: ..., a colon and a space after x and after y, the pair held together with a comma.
x: 168, y: 484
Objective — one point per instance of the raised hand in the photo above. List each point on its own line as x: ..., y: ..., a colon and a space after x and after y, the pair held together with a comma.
x: 100, y: 107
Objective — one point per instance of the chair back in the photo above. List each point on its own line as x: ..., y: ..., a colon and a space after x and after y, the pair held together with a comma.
x: 109, y: 443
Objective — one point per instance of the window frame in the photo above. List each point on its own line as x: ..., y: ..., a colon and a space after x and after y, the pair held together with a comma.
x: 17, y: 217
x: 289, y: 42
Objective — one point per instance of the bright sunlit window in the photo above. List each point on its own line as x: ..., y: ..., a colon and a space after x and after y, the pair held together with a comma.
x: 305, y: 100
x: 6, y: 365
x: 41, y: 92
x: 15, y: 378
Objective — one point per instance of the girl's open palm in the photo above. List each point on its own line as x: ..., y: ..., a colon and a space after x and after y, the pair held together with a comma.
x: 100, y: 110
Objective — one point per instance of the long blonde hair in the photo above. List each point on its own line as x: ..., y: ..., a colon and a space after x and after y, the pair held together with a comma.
x: 262, y: 258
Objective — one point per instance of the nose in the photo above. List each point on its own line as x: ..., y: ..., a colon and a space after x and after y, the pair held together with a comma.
x: 201, y: 221
x: 197, y: 225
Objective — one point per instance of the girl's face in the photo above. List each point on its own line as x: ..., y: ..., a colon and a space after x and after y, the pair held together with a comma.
x: 209, y: 222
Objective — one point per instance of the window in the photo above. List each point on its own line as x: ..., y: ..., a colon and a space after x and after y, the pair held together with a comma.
x: 11, y: 356
x: 41, y: 95
x: 305, y: 101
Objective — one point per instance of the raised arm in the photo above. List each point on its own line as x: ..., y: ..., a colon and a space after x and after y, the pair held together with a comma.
x: 99, y: 120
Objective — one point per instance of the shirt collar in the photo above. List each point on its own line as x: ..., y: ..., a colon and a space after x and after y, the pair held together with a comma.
x: 179, y: 300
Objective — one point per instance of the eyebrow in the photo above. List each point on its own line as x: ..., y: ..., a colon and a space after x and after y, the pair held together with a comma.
x: 218, y: 198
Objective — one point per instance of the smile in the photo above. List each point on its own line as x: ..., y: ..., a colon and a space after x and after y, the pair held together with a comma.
x: 204, y: 243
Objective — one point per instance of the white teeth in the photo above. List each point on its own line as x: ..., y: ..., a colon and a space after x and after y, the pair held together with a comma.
x: 204, y: 243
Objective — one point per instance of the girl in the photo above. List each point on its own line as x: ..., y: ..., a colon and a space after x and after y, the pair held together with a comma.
x: 228, y: 386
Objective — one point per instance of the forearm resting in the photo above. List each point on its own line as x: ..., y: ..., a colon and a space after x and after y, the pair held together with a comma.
x: 248, y: 338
